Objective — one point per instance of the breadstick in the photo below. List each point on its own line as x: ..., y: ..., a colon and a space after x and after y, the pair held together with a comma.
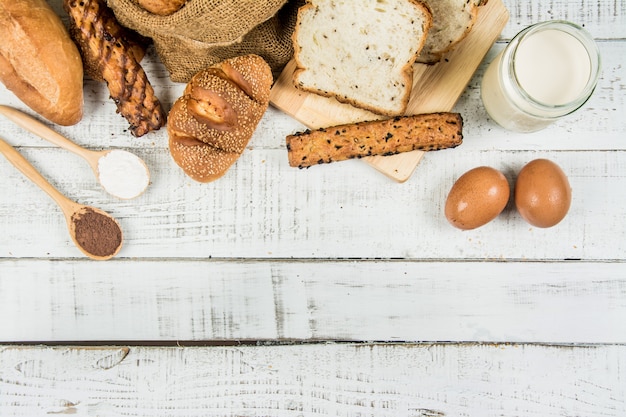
x: 427, y: 132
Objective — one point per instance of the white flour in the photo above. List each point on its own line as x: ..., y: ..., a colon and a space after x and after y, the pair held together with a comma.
x: 123, y: 174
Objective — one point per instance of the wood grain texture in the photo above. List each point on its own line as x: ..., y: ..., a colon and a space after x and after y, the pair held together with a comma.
x: 168, y: 300
x: 315, y: 380
x: 605, y: 19
x: 266, y: 209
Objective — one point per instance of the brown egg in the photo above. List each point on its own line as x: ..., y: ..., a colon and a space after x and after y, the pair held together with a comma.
x: 476, y: 198
x: 542, y: 193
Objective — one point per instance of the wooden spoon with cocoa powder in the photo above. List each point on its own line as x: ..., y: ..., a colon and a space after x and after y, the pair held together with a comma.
x: 93, y: 231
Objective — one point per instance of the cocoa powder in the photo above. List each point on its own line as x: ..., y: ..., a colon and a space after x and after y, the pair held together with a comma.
x: 96, y: 233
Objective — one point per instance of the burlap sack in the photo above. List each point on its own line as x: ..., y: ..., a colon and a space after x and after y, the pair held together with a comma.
x: 204, y: 32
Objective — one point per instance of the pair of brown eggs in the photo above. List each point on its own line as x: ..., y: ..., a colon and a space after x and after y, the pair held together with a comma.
x: 542, y: 195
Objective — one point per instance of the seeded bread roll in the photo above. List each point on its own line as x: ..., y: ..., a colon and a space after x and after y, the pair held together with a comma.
x: 39, y: 62
x: 427, y: 132
x: 452, y: 21
x: 362, y: 55
x: 211, y: 124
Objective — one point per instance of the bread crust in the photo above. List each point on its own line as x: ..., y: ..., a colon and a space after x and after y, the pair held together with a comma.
x: 443, y: 39
x: 110, y: 54
x: 161, y: 7
x: 425, y: 132
x: 39, y: 62
x: 210, y: 125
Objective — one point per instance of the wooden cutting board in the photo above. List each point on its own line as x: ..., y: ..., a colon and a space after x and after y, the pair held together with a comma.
x: 435, y: 88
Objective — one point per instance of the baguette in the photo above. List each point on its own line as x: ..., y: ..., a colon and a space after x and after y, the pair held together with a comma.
x: 39, y: 62
x: 426, y: 132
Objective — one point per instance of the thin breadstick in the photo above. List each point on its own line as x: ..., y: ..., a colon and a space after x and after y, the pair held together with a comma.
x: 427, y: 132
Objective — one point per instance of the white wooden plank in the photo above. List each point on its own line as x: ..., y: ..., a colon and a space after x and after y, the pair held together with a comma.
x: 567, y: 302
x: 315, y: 380
x: 264, y: 208
x: 604, y: 19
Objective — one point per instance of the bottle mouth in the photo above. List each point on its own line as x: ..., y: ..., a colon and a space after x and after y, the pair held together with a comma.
x: 531, y: 104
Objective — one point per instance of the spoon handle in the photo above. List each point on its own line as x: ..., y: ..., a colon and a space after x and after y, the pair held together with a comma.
x: 38, y: 128
x: 25, y: 167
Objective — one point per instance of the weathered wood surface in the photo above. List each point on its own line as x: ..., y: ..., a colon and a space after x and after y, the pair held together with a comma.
x: 375, y: 380
x: 544, y: 302
x: 338, y: 252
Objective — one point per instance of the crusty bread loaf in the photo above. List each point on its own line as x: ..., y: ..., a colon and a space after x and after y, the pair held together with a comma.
x: 161, y: 7
x: 39, y: 62
x: 360, y: 54
x: 452, y: 21
x: 427, y: 132
x: 210, y: 125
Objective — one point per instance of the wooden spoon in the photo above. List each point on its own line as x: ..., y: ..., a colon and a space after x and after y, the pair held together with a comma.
x: 73, y: 212
x: 132, y: 187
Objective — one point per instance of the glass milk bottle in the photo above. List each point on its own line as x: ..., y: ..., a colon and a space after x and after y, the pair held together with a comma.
x: 547, y: 71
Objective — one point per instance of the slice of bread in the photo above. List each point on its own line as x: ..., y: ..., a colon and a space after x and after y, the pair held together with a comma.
x: 452, y: 21
x: 361, y: 53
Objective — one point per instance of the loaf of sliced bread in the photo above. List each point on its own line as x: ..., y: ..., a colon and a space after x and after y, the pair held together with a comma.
x: 362, y: 52
x: 452, y: 21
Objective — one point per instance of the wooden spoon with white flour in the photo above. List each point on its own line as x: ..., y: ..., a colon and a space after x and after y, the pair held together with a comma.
x: 121, y: 173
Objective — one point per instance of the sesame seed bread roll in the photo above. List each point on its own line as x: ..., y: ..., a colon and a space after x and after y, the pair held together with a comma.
x: 210, y: 125
x: 39, y: 62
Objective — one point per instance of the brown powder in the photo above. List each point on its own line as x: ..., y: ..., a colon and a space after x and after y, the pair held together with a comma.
x: 96, y: 233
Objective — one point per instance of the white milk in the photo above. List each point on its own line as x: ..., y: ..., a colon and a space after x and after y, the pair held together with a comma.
x: 552, y: 66
x: 547, y: 71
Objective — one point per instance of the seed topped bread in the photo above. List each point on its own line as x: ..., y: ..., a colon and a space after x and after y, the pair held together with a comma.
x: 210, y: 125
x: 452, y: 21
x: 361, y: 53
x: 427, y: 132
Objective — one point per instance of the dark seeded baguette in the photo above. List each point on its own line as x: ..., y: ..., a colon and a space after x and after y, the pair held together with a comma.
x: 427, y: 132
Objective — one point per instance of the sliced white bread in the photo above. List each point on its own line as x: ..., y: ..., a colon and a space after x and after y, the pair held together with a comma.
x: 452, y: 21
x: 360, y: 52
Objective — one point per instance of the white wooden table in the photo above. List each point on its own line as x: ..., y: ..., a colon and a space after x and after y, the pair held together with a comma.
x: 330, y: 291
